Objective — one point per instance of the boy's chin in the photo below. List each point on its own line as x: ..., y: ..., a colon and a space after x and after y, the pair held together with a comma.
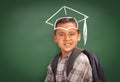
x: 68, y: 49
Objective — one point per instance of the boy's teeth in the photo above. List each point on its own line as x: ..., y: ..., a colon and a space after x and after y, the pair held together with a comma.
x: 67, y: 44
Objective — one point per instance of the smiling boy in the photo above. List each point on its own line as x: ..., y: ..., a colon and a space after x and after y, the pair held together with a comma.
x: 67, y: 36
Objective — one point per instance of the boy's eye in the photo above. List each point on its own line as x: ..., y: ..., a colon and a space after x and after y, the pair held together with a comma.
x: 61, y: 34
x: 72, y: 34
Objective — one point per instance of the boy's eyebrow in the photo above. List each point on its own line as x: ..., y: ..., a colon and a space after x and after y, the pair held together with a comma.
x: 60, y: 33
x: 65, y: 28
x: 72, y: 32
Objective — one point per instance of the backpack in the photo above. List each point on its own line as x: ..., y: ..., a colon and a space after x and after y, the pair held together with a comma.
x: 97, y: 71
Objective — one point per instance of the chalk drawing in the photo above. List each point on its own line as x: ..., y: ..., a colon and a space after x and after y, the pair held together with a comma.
x: 65, y: 12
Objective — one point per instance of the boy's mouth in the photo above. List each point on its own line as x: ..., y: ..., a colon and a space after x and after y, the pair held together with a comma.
x: 67, y: 44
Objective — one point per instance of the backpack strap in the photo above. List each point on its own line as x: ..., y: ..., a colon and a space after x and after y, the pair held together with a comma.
x: 76, y: 52
x: 54, y: 65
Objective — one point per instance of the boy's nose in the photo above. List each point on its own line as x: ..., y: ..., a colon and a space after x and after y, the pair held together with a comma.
x: 67, y: 37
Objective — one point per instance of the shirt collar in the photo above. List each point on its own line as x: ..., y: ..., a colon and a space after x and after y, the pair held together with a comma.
x: 68, y: 55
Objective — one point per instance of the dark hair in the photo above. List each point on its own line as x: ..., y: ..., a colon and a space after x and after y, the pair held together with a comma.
x: 66, y: 20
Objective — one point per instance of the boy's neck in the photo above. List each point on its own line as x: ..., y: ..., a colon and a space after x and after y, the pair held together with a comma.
x: 64, y: 54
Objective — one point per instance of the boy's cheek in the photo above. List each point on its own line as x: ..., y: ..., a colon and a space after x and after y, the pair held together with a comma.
x: 60, y: 43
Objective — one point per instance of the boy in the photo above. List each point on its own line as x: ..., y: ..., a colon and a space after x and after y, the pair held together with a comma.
x: 67, y: 36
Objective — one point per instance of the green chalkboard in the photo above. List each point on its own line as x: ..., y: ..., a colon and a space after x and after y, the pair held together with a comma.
x: 27, y: 45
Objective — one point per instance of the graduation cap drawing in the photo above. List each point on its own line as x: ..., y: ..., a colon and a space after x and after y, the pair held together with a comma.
x: 65, y: 11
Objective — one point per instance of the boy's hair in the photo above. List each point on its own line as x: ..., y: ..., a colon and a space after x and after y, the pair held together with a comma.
x: 64, y: 20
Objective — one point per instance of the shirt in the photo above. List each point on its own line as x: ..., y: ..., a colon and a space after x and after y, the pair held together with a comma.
x: 81, y: 72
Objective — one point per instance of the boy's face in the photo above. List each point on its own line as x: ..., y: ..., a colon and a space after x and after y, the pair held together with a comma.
x: 67, y: 36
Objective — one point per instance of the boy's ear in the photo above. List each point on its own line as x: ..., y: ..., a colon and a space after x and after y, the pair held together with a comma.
x: 79, y: 37
x: 55, y: 39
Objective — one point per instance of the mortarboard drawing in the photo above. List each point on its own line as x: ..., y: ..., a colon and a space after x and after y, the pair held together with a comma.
x: 66, y: 13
